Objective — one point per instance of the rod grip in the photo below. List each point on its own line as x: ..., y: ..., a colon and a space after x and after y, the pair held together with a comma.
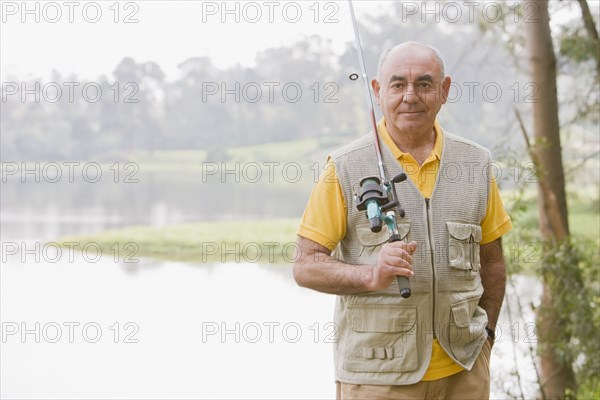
x: 403, y: 282
x: 404, y: 285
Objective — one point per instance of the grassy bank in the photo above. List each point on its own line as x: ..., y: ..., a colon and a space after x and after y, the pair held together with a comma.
x: 304, y: 152
x: 273, y: 240
x: 216, y: 241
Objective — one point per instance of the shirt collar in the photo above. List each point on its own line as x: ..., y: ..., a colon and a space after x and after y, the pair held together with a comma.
x: 398, y: 154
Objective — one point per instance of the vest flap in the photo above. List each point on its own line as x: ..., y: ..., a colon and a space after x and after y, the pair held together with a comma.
x: 403, y: 229
x: 368, y: 238
x: 477, y: 233
x: 459, y: 230
x: 382, y: 353
x: 369, y: 318
x: 462, y: 312
x: 462, y: 231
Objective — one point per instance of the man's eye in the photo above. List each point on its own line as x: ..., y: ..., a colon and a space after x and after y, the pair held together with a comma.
x: 398, y: 85
x: 424, y: 85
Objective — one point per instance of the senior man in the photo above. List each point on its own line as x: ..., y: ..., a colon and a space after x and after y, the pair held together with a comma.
x: 435, y: 344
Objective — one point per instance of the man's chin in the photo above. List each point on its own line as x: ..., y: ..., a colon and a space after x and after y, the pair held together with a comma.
x: 409, y: 127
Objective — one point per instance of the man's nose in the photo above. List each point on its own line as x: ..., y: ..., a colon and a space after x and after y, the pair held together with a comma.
x: 410, y: 95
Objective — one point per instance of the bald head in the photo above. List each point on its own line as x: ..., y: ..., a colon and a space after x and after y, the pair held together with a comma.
x: 410, y: 88
x: 411, y: 47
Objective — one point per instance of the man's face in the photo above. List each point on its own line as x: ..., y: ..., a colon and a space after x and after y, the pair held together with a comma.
x: 410, y: 90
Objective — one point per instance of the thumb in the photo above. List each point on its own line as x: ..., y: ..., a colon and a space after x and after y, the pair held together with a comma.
x: 412, y: 247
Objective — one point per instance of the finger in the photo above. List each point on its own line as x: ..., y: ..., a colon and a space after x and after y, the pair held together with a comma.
x: 401, y: 260
x: 400, y: 271
x: 395, y: 262
x: 395, y: 249
x: 410, y: 247
x: 396, y: 254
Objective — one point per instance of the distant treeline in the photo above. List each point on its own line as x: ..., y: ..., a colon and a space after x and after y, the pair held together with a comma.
x: 137, y: 109
x: 298, y: 91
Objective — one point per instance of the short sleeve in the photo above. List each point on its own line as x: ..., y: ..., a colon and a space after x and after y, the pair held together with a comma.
x: 324, y: 219
x: 496, y: 221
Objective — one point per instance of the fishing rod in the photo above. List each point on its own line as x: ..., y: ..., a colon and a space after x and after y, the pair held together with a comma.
x: 378, y: 195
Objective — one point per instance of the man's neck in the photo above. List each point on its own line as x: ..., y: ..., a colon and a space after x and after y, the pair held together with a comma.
x: 418, y: 145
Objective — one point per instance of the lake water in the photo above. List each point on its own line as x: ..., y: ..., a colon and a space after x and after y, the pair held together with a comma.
x: 80, y: 328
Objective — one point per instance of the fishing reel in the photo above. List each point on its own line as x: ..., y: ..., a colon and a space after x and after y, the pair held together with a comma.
x: 379, y: 201
x: 376, y: 199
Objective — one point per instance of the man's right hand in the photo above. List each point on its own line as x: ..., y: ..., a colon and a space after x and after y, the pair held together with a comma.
x: 394, y: 259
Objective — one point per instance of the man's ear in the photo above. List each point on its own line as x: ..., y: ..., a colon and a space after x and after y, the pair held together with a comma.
x: 376, y: 87
x: 446, y: 89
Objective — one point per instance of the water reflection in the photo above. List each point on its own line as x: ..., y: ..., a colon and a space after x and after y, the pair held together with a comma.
x: 45, y: 211
x: 167, y: 330
x: 177, y: 330
x: 190, y: 331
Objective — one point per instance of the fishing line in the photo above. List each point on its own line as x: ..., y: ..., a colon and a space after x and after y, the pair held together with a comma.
x: 378, y: 196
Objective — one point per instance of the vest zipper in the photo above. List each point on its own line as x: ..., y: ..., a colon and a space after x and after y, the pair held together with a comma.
x: 432, y: 264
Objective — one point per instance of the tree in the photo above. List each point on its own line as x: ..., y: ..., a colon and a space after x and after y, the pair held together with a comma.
x: 560, y: 279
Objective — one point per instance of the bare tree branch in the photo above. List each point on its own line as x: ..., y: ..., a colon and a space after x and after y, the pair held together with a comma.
x: 587, y: 106
x: 581, y: 163
x: 590, y: 27
x: 555, y: 223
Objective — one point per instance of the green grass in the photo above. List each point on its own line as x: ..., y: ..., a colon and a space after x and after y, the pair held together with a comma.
x: 523, y: 248
x: 586, y: 224
x: 276, y: 152
x: 584, y: 211
x: 217, y: 241
x: 270, y: 240
x: 301, y: 151
x: 243, y: 240
x: 167, y: 157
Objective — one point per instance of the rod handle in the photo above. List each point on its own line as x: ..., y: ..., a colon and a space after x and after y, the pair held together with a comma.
x: 403, y: 282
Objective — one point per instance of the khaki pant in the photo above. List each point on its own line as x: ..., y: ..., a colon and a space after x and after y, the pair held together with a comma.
x: 474, y: 384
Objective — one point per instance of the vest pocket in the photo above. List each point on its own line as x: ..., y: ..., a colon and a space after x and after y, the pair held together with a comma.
x: 371, y: 241
x: 383, y: 339
x: 463, y: 247
x: 466, y: 328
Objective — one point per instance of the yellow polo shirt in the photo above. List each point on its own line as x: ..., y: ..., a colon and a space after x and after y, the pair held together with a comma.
x: 324, y: 219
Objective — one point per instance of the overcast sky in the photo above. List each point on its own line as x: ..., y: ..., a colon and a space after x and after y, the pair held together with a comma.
x: 89, y: 38
x: 32, y: 44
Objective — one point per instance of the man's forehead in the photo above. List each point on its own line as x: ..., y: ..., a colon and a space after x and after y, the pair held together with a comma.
x: 403, y: 68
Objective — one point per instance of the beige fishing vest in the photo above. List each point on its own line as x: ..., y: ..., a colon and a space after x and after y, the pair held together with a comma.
x: 383, y: 338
